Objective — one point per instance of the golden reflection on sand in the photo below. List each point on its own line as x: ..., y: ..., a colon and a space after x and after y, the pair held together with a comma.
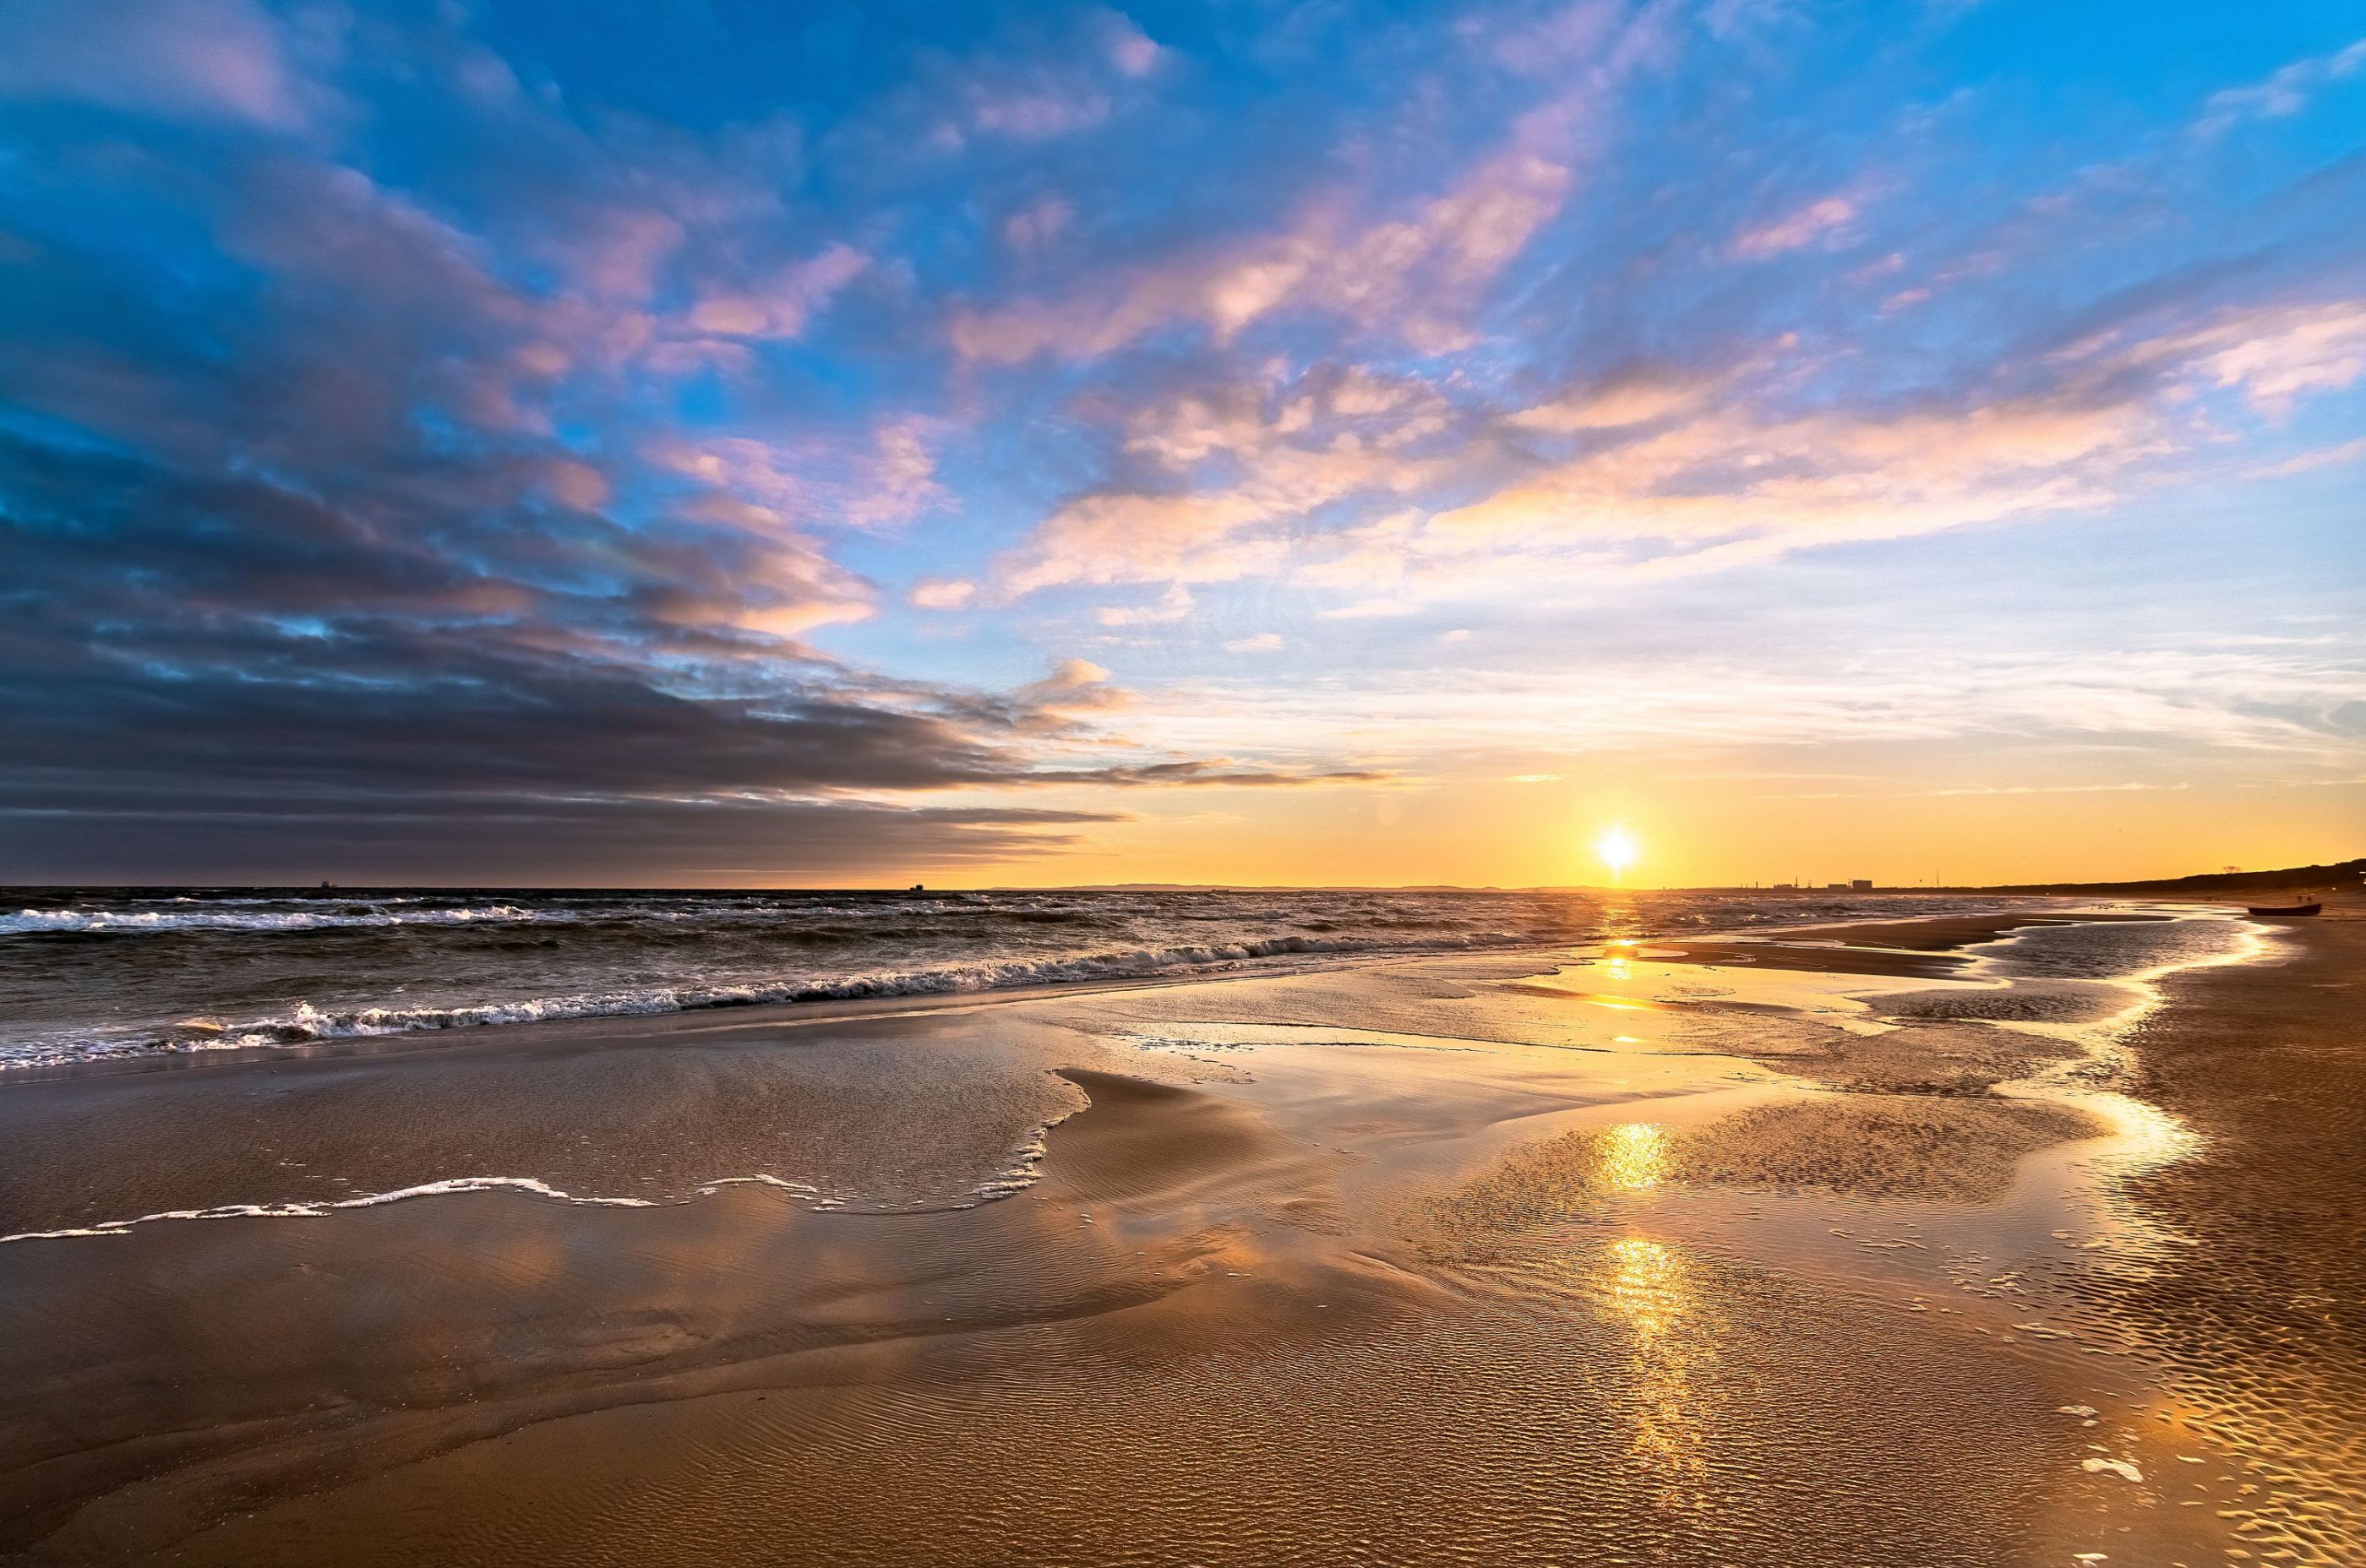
x: 2148, y: 1137
x: 1648, y: 1285
x: 1634, y: 1157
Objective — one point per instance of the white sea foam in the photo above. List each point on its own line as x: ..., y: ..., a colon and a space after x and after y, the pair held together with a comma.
x: 1021, y: 1170
x: 126, y: 920
x: 323, y: 1209
x: 306, y: 1023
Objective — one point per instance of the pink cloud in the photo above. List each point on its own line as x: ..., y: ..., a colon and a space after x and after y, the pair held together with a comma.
x: 1674, y: 473
x: 1036, y: 225
x: 1823, y: 221
x: 1416, y: 272
x: 2274, y: 354
x: 1281, y: 469
x: 178, y: 59
x: 1130, y: 50
x: 578, y: 485
x: 943, y: 593
x: 622, y: 251
x: 2332, y: 456
x: 818, y: 481
x: 1174, y: 605
x: 1631, y: 397
x: 780, y: 305
x: 1037, y: 115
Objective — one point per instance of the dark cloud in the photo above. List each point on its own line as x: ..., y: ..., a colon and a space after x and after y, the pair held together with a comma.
x: 275, y: 678
x: 1222, y: 773
x: 469, y: 839
x: 326, y: 535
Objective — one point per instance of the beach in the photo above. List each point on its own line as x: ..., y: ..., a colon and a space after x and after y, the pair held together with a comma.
x: 2022, y: 1235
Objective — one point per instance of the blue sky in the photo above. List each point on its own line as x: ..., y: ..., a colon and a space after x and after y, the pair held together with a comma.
x: 1338, y: 442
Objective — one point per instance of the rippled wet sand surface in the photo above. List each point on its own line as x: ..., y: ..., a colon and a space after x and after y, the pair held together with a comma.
x: 2239, y: 1275
x: 1699, y: 1254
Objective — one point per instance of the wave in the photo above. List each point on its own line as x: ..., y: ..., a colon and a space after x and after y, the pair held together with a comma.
x: 1021, y: 1169
x: 306, y: 1024
x: 794, y: 922
x: 35, y: 921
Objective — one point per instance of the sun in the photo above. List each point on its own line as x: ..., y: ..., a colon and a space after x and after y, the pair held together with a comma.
x: 1617, y: 848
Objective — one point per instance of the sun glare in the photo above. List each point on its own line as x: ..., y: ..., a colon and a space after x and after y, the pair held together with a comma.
x: 1618, y: 850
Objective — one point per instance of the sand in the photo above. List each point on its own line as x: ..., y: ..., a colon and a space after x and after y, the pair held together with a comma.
x: 1643, y: 1254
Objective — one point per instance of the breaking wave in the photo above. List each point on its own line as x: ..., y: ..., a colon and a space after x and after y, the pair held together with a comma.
x: 306, y: 1023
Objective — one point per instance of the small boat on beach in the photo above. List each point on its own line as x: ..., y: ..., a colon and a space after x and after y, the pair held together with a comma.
x: 2285, y: 912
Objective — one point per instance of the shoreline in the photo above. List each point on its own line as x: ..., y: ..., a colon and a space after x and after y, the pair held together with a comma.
x: 589, y: 1027
x: 1852, y: 956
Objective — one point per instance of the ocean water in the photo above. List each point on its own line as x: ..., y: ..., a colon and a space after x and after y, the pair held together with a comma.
x: 92, y: 973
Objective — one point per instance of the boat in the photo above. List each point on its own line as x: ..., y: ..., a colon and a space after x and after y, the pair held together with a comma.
x: 2285, y: 912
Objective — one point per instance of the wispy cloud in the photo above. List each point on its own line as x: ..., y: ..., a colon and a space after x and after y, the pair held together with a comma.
x: 175, y: 59
x: 1821, y: 221
x: 2286, y: 92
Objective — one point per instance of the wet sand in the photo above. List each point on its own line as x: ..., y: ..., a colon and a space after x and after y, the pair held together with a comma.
x: 1644, y: 1254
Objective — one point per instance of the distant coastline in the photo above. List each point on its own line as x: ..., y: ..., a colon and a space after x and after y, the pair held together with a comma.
x: 2340, y: 874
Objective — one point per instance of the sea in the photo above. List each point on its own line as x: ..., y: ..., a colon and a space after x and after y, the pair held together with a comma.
x: 90, y: 974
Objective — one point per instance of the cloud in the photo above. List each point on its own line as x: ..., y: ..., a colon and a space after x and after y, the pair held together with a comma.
x: 1173, y: 605
x: 1076, y: 688
x: 822, y: 480
x: 1824, y: 221
x: 362, y: 516
x: 1223, y: 773
x: 1287, y: 453
x: 2322, y: 457
x: 1412, y: 275
x: 186, y: 646
x: 2275, y: 355
x: 1656, y: 470
x: 943, y: 593
x: 2287, y: 92
x: 1060, y: 84
x: 781, y: 304
x: 1414, y: 270
x: 1263, y: 642
x: 1729, y: 477
x: 406, y: 837
x: 1634, y: 395
x: 579, y: 485
x: 1131, y: 50
x: 1885, y: 685
x: 1036, y: 225
x: 1035, y: 114
x: 202, y: 59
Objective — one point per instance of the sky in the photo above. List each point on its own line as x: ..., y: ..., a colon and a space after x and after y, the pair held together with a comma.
x: 708, y: 443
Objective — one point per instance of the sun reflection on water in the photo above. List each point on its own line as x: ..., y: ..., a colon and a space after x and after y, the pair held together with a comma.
x: 1634, y: 1157
x: 1649, y: 1286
